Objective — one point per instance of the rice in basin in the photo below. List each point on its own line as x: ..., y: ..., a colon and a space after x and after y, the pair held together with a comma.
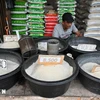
x: 87, y: 67
x: 50, y: 72
x: 10, y: 66
x: 9, y: 45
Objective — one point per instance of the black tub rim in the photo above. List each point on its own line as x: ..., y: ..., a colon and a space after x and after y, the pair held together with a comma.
x: 82, y: 71
x: 11, y: 49
x: 46, y: 38
x: 50, y: 83
x: 14, y: 71
x: 80, y: 51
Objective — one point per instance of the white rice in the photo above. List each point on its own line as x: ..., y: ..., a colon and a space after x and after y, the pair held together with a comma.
x: 50, y: 73
x: 11, y: 66
x: 9, y: 45
x: 87, y: 67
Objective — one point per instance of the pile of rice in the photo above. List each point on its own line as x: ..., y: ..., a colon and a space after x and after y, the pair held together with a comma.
x: 50, y: 73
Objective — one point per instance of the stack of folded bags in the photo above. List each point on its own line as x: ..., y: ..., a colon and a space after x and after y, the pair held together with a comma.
x: 51, y: 19
x: 19, y: 17
x: 64, y: 7
x: 36, y: 17
x: 93, y: 23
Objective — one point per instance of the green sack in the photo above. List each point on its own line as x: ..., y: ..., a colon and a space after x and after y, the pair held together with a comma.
x: 18, y: 16
x: 36, y: 31
x: 36, y: 10
x: 18, y: 9
x: 40, y: 1
x: 68, y: 0
x: 20, y: 2
x: 34, y: 5
x: 18, y: 27
x: 38, y: 20
x: 36, y: 26
x: 36, y: 35
x: 21, y: 33
x: 64, y: 4
x: 34, y: 15
x: 18, y: 22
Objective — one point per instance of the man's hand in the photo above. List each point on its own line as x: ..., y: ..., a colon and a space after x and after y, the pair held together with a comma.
x: 78, y: 34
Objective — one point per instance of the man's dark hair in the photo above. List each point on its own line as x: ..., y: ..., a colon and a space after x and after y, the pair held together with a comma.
x: 67, y: 17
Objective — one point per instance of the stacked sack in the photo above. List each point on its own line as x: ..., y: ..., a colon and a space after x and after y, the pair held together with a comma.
x: 51, y: 19
x: 36, y: 18
x: 64, y: 7
x: 82, y: 12
x: 93, y: 23
x: 19, y: 17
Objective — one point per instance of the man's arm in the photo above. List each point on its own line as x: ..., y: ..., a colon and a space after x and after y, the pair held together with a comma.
x: 78, y: 33
x: 75, y: 30
x: 55, y: 32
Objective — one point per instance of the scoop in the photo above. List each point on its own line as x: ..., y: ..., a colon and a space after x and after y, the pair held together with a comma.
x: 95, y: 68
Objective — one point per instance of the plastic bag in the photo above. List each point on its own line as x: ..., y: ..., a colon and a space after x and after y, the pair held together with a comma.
x: 36, y: 26
x: 36, y: 35
x: 20, y: 3
x: 18, y: 27
x: 35, y: 5
x: 18, y: 16
x: 21, y: 33
x: 37, y: 1
x: 68, y: 0
x: 36, y: 31
x: 18, y: 22
x: 94, y: 16
x: 39, y: 20
x: 35, y: 10
x: 18, y: 9
x: 33, y: 15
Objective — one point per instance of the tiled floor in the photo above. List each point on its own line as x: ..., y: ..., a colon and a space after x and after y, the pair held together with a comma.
x: 75, y: 92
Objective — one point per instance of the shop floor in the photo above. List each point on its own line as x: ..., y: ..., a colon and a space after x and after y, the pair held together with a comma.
x: 75, y: 92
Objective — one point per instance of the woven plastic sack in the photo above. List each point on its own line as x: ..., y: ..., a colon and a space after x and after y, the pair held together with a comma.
x: 36, y: 10
x: 36, y: 26
x: 36, y: 35
x: 18, y: 16
x: 35, y: 5
x: 37, y: 1
x: 36, y: 31
x: 20, y: 3
x: 68, y: 0
x: 18, y: 9
x: 34, y: 15
x: 21, y: 33
x: 38, y: 20
x: 18, y: 27
x: 18, y: 22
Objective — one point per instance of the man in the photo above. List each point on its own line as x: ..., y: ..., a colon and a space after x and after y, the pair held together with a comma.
x: 66, y: 28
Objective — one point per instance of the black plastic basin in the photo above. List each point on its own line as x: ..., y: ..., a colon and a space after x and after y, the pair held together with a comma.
x: 8, y: 80
x: 17, y: 50
x: 49, y: 89
x: 63, y: 44
x: 81, y: 40
x: 89, y: 82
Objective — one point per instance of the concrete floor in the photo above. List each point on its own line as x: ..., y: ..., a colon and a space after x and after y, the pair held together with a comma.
x: 75, y: 92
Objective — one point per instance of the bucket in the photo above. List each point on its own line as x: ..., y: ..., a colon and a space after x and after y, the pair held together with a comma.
x: 63, y: 46
x: 9, y: 79
x: 46, y: 88
x: 10, y: 46
x: 81, y: 40
x: 27, y: 46
x: 89, y: 81
x: 53, y: 47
